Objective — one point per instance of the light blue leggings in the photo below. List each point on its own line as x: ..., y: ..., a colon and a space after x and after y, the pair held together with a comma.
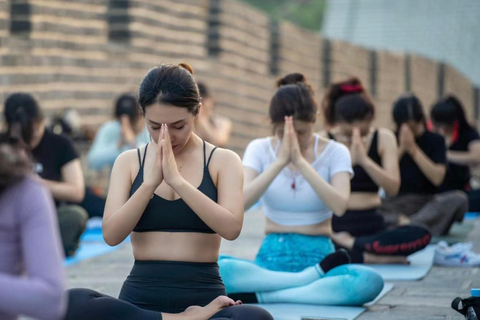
x: 272, y: 279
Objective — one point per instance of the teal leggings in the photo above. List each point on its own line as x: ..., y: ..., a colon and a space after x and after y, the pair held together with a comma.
x: 286, y: 271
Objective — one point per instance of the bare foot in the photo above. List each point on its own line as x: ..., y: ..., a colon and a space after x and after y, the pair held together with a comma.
x: 205, y: 313
x: 381, y: 259
x: 344, y: 239
x: 403, y: 220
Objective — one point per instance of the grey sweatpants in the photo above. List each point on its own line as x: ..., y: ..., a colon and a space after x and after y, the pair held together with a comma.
x: 436, y: 212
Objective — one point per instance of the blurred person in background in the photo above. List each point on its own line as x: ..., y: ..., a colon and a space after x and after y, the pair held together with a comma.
x: 211, y: 127
x: 423, y: 164
x: 463, y: 143
x: 349, y: 112
x: 302, y: 180
x: 56, y: 164
x: 31, y: 271
x: 127, y: 131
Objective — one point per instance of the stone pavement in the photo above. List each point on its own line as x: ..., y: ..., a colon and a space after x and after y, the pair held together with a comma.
x: 428, y: 299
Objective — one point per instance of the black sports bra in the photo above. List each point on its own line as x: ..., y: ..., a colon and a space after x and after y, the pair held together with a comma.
x: 361, y: 181
x: 173, y: 216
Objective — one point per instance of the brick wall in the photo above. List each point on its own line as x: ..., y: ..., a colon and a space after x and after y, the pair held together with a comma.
x: 83, y: 53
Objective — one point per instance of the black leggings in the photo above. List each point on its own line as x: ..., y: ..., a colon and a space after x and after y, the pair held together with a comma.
x: 86, y: 304
x: 371, y: 235
x: 154, y: 287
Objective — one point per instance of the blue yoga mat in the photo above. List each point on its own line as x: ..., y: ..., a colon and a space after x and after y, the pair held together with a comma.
x: 420, y: 264
x: 290, y: 311
x: 89, y: 250
x: 472, y: 215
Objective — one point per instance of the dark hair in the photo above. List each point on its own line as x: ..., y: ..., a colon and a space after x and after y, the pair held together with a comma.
x: 127, y: 104
x: 449, y: 110
x: 407, y: 107
x: 294, y: 97
x: 22, y: 110
x: 14, y: 165
x: 204, y: 90
x: 170, y: 84
x: 347, y: 101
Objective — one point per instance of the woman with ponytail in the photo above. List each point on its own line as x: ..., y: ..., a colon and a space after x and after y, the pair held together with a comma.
x: 31, y: 271
x: 349, y: 113
x: 56, y: 164
x: 463, y: 142
x: 178, y: 197
x: 301, y: 180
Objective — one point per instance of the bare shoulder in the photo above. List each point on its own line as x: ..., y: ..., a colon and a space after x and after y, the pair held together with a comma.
x: 387, y: 139
x: 386, y: 135
x: 126, y: 162
x: 223, y: 156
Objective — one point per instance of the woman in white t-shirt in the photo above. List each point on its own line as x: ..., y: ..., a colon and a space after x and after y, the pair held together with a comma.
x: 301, y: 180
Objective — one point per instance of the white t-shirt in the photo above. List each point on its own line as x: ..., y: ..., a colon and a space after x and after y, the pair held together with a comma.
x: 297, y: 206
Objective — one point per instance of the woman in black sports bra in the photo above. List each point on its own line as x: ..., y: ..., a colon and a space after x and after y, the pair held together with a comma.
x: 349, y: 113
x: 177, y: 197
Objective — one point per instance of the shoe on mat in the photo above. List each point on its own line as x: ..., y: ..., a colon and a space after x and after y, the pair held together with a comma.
x: 457, y: 255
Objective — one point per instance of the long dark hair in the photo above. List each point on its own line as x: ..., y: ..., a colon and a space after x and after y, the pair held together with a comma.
x: 294, y: 97
x: 449, y: 111
x: 172, y: 85
x: 407, y: 107
x: 347, y: 101
x: 14, y: 163
x: 21, y: 113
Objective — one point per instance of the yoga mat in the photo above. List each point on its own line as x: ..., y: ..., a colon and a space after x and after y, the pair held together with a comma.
x: 420, y: 264
x: 290, y: 311
x: 89, y: 250
x: 472, y: 215
x: 459, y: 232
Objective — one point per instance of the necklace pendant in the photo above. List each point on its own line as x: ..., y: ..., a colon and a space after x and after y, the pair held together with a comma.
x: 293, y: 185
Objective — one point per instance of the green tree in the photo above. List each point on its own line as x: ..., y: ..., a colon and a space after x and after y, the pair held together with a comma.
x: 305, y: 13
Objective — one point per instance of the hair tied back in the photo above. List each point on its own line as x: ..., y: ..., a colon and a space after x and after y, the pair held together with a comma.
x: 186, y: 66
x: 351, y: 88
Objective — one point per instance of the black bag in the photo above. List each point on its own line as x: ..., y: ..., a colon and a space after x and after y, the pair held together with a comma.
x: 461, y: 305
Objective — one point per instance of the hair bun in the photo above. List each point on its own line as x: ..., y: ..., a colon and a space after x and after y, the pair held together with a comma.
x: 186, y: 66
x: 291, y: 78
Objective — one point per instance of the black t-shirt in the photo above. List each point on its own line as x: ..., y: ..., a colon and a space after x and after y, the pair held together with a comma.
x: 458, y: 176
x: 52, y: 153
x: 413, y: 179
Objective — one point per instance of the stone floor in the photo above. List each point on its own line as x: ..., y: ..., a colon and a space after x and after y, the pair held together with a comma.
x: 428, y: 299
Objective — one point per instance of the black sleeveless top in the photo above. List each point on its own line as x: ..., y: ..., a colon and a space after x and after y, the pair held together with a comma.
x: 361, y: 181
x: 173, y: 215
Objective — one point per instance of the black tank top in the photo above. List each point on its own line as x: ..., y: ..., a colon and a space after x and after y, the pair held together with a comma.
x: 361, y: 181
x: 173, y: 216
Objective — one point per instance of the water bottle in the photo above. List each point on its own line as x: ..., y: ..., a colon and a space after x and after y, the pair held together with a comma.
x: 471, y: 315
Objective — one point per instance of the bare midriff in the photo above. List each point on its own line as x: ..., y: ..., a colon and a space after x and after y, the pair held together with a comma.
x: 364, y: 200
x: 319, y: 229
x: 176, y: 246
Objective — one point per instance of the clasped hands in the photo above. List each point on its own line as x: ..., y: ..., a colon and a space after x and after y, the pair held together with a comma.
x: 165, y: 166
x: 289, y: 149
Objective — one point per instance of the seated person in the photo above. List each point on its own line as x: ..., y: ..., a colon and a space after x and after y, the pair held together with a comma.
x: 178, y: 197
x: 349, y: 113
x: 423, y: 163
x: 126, y: 132
x: 31, y: 271
x: 302, y: 180
x: 56, y: 164
x: 463, y: 142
